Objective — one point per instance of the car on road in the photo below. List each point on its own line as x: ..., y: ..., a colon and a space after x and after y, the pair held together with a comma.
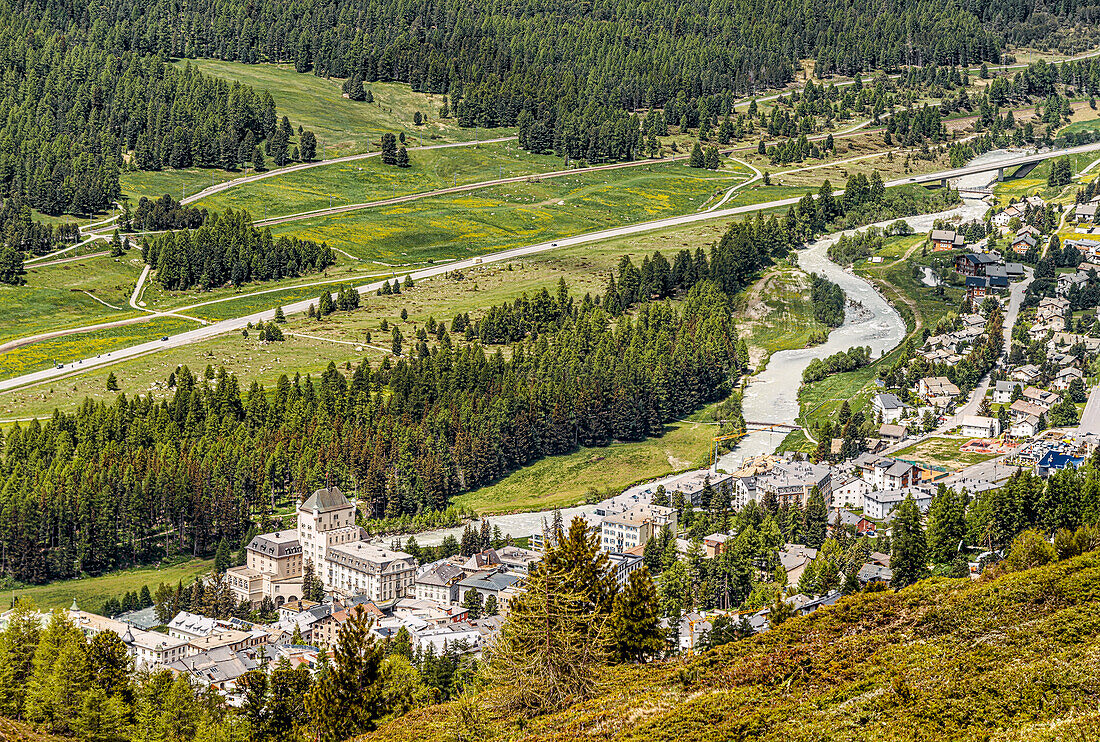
x: 164, y: 339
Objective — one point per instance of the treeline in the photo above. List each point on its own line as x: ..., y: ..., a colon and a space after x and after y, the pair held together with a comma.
x: 838, y: 363
x: 228, y: 249
x: 828, y: 301
x: 80, y: 93
x: 116, y: 484
x: 24, y: 235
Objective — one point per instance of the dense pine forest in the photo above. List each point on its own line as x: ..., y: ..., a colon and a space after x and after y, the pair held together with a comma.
x: 228, y: 249
x: 78, y: 99
x: 118, y: 483
x: 88, y: 90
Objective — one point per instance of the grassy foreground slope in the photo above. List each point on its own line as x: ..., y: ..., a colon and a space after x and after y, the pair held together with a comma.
x: 1016, y: 658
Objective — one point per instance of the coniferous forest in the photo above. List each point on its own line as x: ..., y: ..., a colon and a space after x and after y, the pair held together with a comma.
x: 87, y: 90
x: 227, y: 248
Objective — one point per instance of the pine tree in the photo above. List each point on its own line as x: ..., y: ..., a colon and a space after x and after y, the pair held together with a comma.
x: 471, y: 601
x: 11, y: 266
x: 402, y: 157
x: 112, y: 382
x: 548, y: 653
x: 946, y: 525
x: 389, y: 149
x: 696, y: 159
x: 491, y: 608
x: 325, y: 306
x: 634, y: 632
x: 116, y: 245
x: 909, y: 557
x: 346, y: 702
x: 221, y: 557
x: 279, y: 316
x: 398, y: 340
x: 308, y: 141
x: 816, y: 519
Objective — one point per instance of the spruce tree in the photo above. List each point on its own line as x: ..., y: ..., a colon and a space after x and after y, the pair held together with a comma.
x: 946, y: 525
x: 634, y: 631
x: 909, y: 557
x: 402, y: 157
x: 389, y: 149
x: 112, y: 382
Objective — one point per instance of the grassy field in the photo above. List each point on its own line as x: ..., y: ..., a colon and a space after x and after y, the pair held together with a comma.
x: 345, y: 126
x: 453, y: 227
x: 942, y: 452
x: 369, y: 180
x: 53, y: 297
x: 90, y: 592
x: 562, y: 481
x: 1035, y: 181
x: 776, y: 313
x: 46, y: 353
x: 176, y: 183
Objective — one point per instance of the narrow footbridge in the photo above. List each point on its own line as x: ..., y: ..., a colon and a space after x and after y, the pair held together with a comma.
x: 778, y: 427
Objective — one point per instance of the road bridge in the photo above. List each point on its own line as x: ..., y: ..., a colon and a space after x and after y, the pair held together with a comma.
x: 944, y: 176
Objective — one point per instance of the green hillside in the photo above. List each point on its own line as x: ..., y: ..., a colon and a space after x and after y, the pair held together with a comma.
x: 1016, y: 658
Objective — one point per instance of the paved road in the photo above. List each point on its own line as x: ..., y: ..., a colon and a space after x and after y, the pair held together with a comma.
x: 1015, y: 301
x: 1090, y: 418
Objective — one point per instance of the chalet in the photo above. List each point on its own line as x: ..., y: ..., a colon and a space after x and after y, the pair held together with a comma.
x: 1012, y: 211
x: 977, y: 288
x: 892, y: 433
x: 1086, y: 212
x: 946, y: 239
x: 973, y: 264
x: 998, y: 276
x: 1089, y: 267
x: 1035, y: 395
x: 1051, y: 307
x: 889, y: 407
x: 1025, y: 427
x: 937, y: 391
x: 1002, y: 391
x: 979, y: 426
x: 1066, y: 377
x: 1023, y: 242
x: 869, y: 573
x: 1022, y: 408
x: 1026, y: 374
x: 715, y: 543
x: 1068, y: 281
